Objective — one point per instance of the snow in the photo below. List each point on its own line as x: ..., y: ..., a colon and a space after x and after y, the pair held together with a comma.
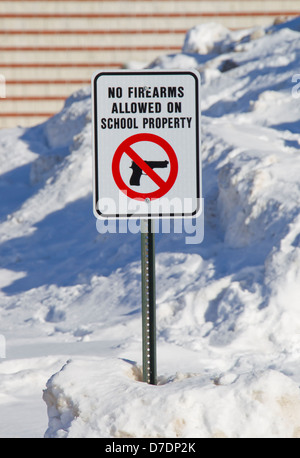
x: 228, y: 322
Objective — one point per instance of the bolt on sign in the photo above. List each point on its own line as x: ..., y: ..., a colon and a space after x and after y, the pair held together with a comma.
x: 146, y: 127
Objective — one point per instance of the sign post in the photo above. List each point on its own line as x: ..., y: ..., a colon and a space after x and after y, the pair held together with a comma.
x: 148, y: 301
x: 146, y: 126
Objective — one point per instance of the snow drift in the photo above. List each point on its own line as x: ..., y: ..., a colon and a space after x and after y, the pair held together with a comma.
x: 228, y: 316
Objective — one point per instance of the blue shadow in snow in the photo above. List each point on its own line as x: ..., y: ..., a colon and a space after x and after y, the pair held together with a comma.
x: 66, y: 249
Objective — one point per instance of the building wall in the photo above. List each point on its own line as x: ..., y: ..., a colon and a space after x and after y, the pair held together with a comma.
x: 50, y: 48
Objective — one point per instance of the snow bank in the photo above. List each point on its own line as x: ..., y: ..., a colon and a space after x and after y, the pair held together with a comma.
x: 228, y: 319
x: 116, y: 404
x: 205, y: 38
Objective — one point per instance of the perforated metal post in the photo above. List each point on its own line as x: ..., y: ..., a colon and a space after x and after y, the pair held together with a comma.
x: 148, y: 301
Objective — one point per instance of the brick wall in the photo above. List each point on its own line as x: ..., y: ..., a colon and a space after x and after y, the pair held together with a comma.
x: 50, y: 48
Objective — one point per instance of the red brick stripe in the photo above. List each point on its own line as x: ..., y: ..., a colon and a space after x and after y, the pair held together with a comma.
x: 61, y: 65
x: 89, y: 48
x: 92, y: 32
x: 19, y: 82
x: 148, y: 15
x: 26, y: 115
x: 35, y: 98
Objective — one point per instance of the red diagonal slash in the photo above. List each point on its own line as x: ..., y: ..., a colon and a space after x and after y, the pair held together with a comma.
x: 145, y: 167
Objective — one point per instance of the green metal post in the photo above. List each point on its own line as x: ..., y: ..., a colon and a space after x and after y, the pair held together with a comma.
x: 148, y: 301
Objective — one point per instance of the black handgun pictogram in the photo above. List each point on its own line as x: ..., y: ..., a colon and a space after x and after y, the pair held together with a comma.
x: 137, y: 172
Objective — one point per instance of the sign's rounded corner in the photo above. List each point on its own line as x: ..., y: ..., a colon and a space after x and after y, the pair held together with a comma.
x: 195, y: 74
x: 96, y: 75
x: 200, y: 207
x: 194, y: 214
x: 98, y: 214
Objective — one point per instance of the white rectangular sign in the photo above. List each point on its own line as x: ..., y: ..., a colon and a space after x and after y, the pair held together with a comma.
x: 146, y: 127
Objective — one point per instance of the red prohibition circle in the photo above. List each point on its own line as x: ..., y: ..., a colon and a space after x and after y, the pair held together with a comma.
x: 125, y: 148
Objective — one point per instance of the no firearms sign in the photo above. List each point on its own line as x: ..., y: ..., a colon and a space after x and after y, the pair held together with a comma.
x: 146, y: 127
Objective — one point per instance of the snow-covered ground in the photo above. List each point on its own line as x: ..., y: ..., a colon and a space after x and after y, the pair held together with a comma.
x: 228, y: 316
